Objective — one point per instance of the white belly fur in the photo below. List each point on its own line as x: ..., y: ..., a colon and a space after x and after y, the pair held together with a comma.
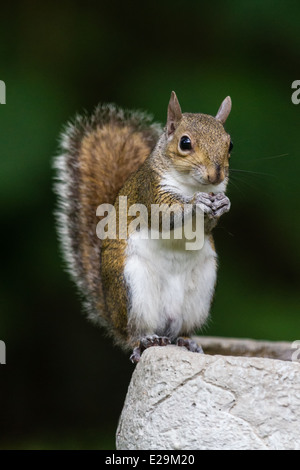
x: 170, y: 288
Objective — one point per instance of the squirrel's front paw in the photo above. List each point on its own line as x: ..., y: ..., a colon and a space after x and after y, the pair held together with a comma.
x: 205, y: 202
x: 220, y: 204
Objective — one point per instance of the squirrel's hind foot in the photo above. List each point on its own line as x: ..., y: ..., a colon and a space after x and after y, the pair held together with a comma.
x: 189, y: 344
x: 145, y: 343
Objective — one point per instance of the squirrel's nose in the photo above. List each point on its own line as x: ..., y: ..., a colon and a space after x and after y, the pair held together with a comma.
x: 215, y: 175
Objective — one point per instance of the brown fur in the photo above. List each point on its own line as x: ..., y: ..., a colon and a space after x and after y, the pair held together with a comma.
x: 138, y: 187
x: 118, y: 153
x: 106, y: 158
x: 210, y: 143
x: 98, y: 154
x: 210, y: 146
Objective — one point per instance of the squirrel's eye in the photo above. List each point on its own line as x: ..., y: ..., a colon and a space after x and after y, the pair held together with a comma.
x: 230, y: 146
x: 185, y: 143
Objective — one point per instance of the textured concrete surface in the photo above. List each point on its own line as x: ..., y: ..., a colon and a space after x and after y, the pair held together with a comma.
x: 182, y: 400
x: 246, y: 347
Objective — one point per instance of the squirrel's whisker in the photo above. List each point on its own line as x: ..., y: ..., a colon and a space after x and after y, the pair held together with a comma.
x: 250, y: 172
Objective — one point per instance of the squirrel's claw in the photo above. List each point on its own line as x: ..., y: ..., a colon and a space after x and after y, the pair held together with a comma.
x: 145, y: 343
x: 189, y: 344
x: 136, y: 355
x: 221, y: 205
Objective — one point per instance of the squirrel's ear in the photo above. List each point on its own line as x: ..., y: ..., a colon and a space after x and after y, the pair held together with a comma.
x: 224, y: 110
x: 174, y: 114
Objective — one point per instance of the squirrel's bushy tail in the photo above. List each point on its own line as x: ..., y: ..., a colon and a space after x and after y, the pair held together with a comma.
x: 98, y: 153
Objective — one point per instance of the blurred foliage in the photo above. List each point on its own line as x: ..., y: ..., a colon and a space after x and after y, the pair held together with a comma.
x: 64, y: 383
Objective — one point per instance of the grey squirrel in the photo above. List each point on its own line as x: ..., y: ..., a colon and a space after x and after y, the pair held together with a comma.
x: 145, y: 292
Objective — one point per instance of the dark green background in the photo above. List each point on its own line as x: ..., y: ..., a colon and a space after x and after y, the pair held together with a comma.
x: 64, y: 383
